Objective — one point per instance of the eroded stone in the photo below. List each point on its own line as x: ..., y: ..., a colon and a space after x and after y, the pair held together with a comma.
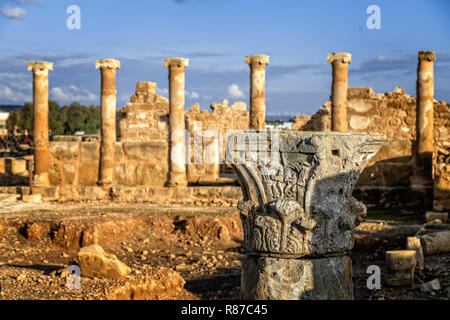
x: 95, y: 262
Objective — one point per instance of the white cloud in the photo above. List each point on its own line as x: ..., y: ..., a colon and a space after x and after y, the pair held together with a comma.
x: 163, y: 92
x: 72, y: 93
x: 8, y: 94
x: 190, y: 94
x: 193, y: 94
x: 234, y: 92
x: 15, y: 87
x: 13, y: 13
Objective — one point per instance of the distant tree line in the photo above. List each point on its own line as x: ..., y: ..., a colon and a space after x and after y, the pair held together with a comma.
x: 62, y: 120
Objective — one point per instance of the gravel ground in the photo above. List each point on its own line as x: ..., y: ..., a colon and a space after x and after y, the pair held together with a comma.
x: 202, y: 244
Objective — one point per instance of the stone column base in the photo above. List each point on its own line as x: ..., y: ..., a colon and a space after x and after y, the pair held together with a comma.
x: 41, y: 180
x: 177, y: 180
x: 265, y: 278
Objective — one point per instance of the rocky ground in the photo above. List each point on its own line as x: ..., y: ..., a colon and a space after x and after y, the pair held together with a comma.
x: 159, y: 243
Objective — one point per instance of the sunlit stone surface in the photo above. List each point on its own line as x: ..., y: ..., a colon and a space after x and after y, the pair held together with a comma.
x: 298, y: 204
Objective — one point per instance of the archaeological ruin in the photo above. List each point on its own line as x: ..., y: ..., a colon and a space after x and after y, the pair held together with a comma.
x: 301, y: 193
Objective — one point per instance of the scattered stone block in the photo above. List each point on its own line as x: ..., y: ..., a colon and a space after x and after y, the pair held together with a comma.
x: 160, y: 284
x: 436, y: 242
x: 401, y: 265
x: 413, y: 243
x: 95, y: 262
x: 432, y: 216
x: 433, y: 285
x: 18, y: 166
x: 2, y: 165
x: 8, y: 198
x: 32, y: 198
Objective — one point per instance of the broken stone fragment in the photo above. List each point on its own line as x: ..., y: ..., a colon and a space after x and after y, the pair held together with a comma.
x: 433, y: 285
x: 95, y: 262
x: 33, y: 198
x: 160, y: 284
x: 413, y: 243
x: 435, y: 243
x: 432, y: 216
x: 401, y: 265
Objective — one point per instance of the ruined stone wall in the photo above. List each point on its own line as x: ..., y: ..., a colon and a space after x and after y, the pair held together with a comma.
x: 386, y: 179
x: 145, y: 117
x: 74, y: 162
x: 141, y: 156
x: 441, y: 187
x: 223, y: 118
x: 15, y: 171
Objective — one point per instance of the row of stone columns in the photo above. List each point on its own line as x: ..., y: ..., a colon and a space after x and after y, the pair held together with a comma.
x: 176, y: 66
x: 424, y: 109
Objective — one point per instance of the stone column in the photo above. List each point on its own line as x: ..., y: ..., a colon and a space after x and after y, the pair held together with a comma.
x: 257, y: 65
x: 298, y: 212
x: 108, y: 115
x: 177, y: 126
x: 40, y: 103
x: 339, y: 62
x: 425, y: 117
x: 212, y: 155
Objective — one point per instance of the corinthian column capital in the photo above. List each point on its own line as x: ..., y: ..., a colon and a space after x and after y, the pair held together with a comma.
x: 340, y: 57
x: 427, y: 56
x: 107, y: 64
x: 257, y: 59
x: 40, y: 67
x: 176, y: 63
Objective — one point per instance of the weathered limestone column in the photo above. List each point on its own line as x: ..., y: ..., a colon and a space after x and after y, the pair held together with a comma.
x: 177, y: 126
x: 339, y: 62
x: 212, y: 155
x: 425, y: 116
x: 40, y: 103
x: 298, y: 212
x: 108, y: 115
x: 257, y: 65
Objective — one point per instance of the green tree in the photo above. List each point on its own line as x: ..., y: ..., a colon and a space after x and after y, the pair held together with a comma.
x: 66, y: 120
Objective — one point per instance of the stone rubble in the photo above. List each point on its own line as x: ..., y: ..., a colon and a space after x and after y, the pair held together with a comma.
x: 95, y: 262
x: 433, y: 285
x: 436, y: 242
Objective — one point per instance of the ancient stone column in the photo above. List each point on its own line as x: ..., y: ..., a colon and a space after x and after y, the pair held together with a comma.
x: 257, y: 65
x: 298, y: 212
x: 339, y: 62
x: 212, y: 155
x: 425, y: 116
x: 177, y: 160
x: 40, y: 103
x: 108, y: 115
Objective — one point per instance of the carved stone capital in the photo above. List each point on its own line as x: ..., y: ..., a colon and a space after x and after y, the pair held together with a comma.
x: 297, y: 189
x: 176, y: 63
x: 427, y: 56
x: 257, y: 59
x: 340, y: 57
x: 40, y: 67
x: 107, y: 64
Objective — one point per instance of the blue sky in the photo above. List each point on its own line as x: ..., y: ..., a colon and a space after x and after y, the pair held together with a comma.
x: 216, y: 35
